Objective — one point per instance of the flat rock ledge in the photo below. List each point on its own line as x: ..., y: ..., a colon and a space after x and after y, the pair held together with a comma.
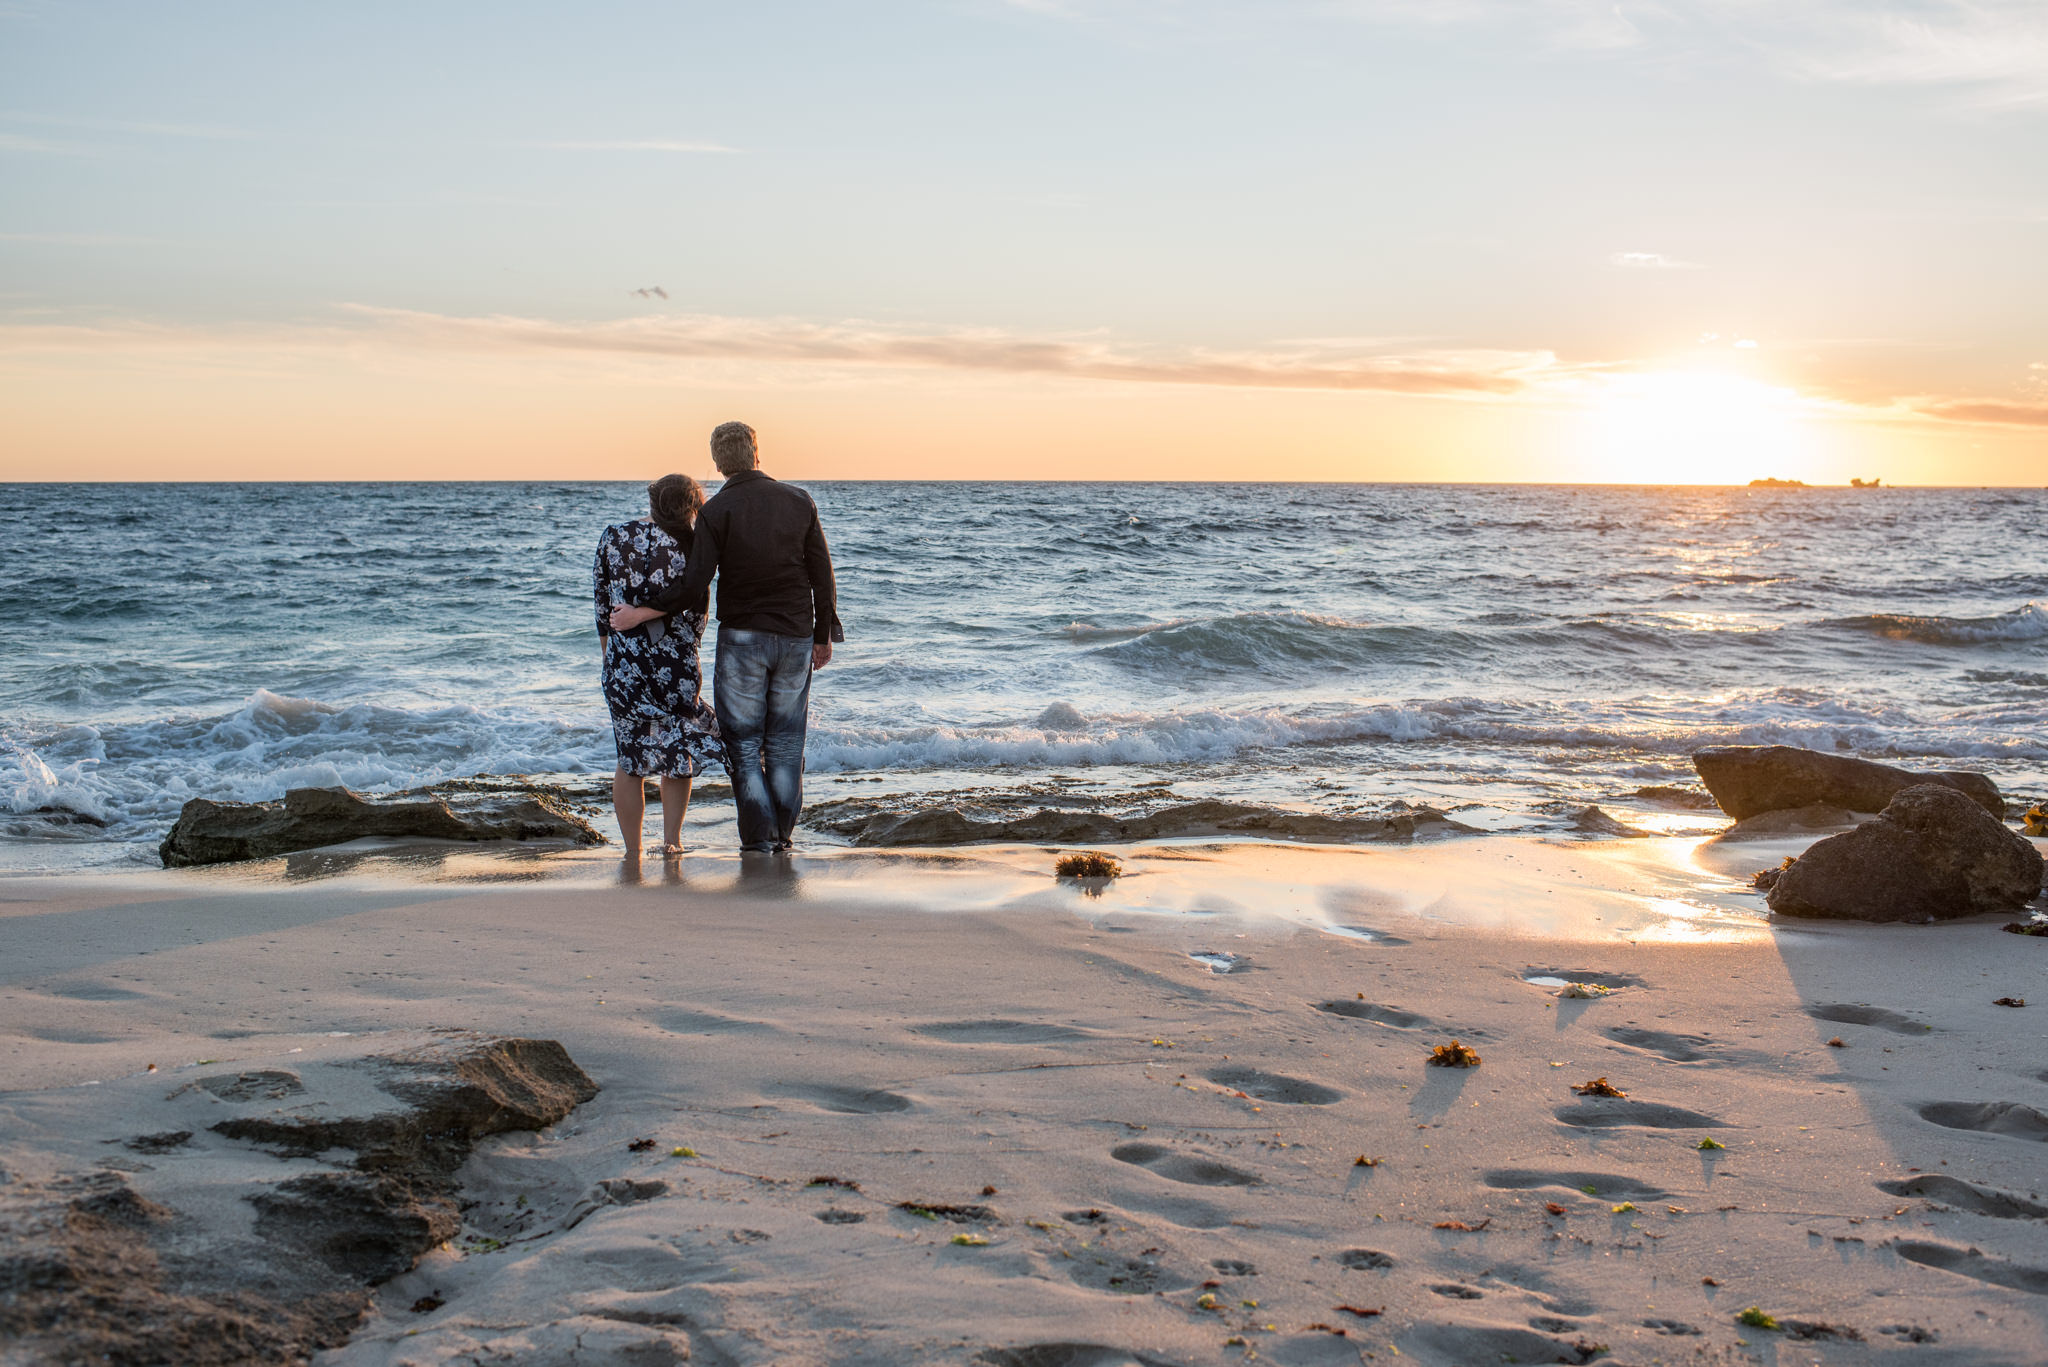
x: 1931, y: 855
x: 1749, y: 780
x: 129, y: 1249
x: 209, y: 832
x: 873, y: 824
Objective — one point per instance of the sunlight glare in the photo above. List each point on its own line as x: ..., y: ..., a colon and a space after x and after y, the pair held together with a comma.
x: 1683, y: 428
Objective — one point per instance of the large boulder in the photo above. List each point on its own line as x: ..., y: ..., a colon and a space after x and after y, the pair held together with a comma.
x: 1931, y: 855
x: 1751, y: 779
x: 209, y: 832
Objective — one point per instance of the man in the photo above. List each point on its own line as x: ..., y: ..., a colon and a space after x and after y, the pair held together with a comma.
x: 777, y: 620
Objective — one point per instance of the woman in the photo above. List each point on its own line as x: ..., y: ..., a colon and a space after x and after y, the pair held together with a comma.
x: 651, y: 679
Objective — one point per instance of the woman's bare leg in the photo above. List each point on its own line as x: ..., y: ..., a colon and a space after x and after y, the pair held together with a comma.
x: 629, y: 804
x: 675, y: 805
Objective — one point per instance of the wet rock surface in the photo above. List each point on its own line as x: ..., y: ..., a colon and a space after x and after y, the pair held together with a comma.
x: 865, y: 822
x: 1748, y: 780
x: 162, y: 1263
x: 209, y: 832
x: 1932, y: 854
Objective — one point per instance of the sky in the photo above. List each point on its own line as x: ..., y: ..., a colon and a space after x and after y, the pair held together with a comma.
x: 1551, y: 240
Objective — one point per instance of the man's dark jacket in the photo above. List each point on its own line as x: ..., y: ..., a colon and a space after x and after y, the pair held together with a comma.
x: 762, y: 539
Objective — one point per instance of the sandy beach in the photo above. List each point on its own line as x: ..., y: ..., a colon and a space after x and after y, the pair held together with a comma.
x: 1065, y: 1130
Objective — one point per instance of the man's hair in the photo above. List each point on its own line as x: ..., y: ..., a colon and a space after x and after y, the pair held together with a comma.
x: 733, y: 448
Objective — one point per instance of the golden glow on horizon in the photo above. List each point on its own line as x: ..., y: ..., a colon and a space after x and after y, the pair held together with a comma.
x: 1690, y: 428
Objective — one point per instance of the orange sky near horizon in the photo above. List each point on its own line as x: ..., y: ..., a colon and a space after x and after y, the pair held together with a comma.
x: 1552, y: 241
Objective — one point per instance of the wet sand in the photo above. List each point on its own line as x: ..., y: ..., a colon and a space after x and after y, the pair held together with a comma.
x: 1059, y: 1136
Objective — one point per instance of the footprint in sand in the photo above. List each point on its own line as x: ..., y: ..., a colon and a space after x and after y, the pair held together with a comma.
x: 1364, y: 1260
x: 1672, y: 1328
x: 1457, y: 1291
x: 1391, y: 1016
x: 1068, y: 1355
x: 1606, y: 1186
x: 1558, y: 977
x: 999, y: 1032
x: 1234, y: 1267
x: 1127, y: 1276
x: 1183, y: 1167
x: 849, y: 1100
x: 841, y: 1217
x: 1607, y: 1113
x: 1665, y: 1044
x: 1850, y: 1013
x: 678, y: 1021
x: 1493, y: 1343
x: 1953, y: 1191
x: 1277, y: 1087
x: 2013, y: 1118
x: 1968, y: 1262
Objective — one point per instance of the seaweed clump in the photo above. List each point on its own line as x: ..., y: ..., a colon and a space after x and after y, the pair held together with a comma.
x: 2026, y: 927
x: 1599, y: 1086
x: 1086, y: 865
x: 2034, y: 821
x: 1456, y: 1054
x: 1763, y: 880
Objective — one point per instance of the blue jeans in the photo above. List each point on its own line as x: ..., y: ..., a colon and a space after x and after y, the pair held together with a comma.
x: 761, y: 691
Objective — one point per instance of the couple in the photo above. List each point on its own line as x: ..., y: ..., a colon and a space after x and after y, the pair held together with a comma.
x: 777, y: 620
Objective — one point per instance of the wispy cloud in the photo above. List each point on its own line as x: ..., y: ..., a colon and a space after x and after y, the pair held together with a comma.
x: 2001, y: 412
x: 22, y: 142
x: 145, y: 127
x: 1471, y: 373
x: 635, y: 145
x: 1650, y: 261
x: 1995, y: 52
x: 76, y: 239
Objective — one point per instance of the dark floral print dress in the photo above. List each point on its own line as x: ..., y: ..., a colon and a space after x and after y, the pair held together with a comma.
x: 652, y: 681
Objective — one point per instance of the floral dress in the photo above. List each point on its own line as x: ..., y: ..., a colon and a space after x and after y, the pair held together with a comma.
x: 651, y: 677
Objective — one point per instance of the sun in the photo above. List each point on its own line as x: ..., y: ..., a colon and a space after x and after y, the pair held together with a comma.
x: 1675, y: 427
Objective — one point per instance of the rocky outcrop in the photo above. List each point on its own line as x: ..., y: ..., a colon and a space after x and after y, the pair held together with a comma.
x: 967, y: 823
x: 152, y: 1265
x: 1748, y: 780
x: 209, y: 832
x: 1932, y: 854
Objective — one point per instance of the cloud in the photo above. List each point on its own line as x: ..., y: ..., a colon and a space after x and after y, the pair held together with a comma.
x: 1650, y: 261
x: 76, y: 239
x: 635, y: 145
x: 2001, y: 412
x: 1486, y: 375
x: 1478, y: 373
x: 21, y: 142
x: 161, y: 130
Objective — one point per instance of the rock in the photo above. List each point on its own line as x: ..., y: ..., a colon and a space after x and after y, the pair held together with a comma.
x: 1931, y: 854
x: 1790, y: 821
x: 209, y: 832
x: 1674, y: 795
x: 1593, y: 821
x: 868, y: 823
x: 452, y: 1092
x: 95, y: 1268
x: 1751, y: 779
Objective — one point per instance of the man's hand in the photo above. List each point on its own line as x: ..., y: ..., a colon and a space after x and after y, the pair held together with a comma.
x: 625, y: 617
x: 821, y: 654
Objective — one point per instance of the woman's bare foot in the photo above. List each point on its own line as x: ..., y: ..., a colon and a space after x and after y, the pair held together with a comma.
x: 671, y: 851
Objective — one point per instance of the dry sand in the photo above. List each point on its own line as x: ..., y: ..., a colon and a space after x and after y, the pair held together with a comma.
x: 1121, y: 1154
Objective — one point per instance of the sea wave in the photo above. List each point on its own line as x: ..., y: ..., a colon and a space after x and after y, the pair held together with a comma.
x: 141, y: 772
x: 2028, y: 622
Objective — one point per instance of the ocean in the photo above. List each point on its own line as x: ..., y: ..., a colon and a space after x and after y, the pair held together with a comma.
x: 1504, y: 653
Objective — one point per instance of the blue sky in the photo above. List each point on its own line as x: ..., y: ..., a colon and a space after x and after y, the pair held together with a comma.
x: 1411, y: 205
